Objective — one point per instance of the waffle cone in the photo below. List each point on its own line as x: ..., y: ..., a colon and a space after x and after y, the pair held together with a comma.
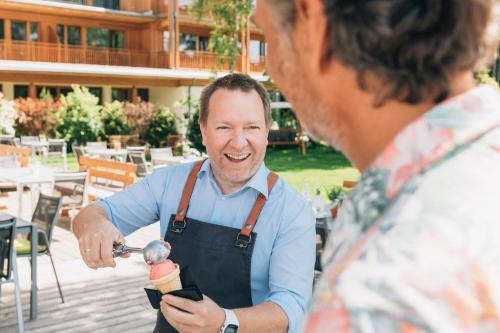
x: 169, y: 282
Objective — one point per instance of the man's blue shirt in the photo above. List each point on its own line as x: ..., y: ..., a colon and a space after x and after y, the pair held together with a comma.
x: 282, y: 267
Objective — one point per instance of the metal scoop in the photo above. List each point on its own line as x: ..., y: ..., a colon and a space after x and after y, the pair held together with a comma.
x: 154, y: 253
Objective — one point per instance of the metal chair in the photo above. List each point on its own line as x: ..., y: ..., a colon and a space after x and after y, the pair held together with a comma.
x: 57, y: 147
x: 158, y: 153
x: 45, y: 216
x: 8, y: 266
x: 72, y: 187
x: 96, y: 145
x: 139, y: 159
x: 7, y: 140
x: 78, y: 151
x: 27, y: 138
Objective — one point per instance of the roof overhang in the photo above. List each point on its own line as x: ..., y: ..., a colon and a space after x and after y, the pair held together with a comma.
x: 29, y: 71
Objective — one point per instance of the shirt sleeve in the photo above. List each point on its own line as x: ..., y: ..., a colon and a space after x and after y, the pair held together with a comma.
x: 139, y: 204
x: 291, y: 270
x: 431, y: 276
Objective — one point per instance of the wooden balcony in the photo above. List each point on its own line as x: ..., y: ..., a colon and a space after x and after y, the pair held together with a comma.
x: 51, y: 52
x: 258, y: 67
x: 202, y: 60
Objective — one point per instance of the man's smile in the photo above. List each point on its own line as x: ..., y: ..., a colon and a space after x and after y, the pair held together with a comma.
x: 237, y: 158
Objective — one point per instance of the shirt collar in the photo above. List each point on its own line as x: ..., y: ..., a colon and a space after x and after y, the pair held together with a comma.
x: 258, y: 181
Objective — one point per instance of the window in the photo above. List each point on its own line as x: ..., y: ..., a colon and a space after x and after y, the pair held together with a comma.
x: 203, y: 43
x: 51, y: 90
x: 187, y: 42
x: 119, y: 94
x: 33, y: 31
x: 18, y: 30
x: 97, y: 92
x: 20, y: 91
x: 74, y: 34
x: 65, y: 90
x: 116, y: 39
x: 105, y: 38
x: 143, y: 94
x: 97, y: 37
x: 110, y: 4
x: 1, y: 30
x: 262, y: 49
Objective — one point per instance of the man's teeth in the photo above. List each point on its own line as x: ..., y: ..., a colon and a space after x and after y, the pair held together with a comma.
x: 238, y: 157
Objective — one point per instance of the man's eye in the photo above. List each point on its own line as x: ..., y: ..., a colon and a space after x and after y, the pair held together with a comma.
x: 222, y: 127
x: 254, y: 127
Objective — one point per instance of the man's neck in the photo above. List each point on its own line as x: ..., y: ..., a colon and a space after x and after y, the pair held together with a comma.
x: 370, y: 130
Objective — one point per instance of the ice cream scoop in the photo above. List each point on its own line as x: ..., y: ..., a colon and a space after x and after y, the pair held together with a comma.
x: 155, y: 252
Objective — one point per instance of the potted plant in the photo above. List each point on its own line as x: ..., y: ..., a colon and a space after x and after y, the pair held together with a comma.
x: 335, y: 196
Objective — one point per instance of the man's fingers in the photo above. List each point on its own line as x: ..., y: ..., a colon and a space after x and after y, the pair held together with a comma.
x: 179, y: 319
x: 181, y: 303
x: 107, y: 252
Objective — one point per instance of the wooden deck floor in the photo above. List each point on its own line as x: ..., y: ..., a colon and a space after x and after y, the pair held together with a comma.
x: 105, y: 300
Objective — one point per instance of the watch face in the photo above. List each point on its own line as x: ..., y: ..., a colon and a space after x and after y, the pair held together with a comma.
x: 231, y: 329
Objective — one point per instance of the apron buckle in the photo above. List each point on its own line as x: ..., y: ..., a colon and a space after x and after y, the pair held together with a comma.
x: 178, y: 226
x: 242, y: 241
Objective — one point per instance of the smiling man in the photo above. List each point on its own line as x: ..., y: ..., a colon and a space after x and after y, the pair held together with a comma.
x: 247, y: 237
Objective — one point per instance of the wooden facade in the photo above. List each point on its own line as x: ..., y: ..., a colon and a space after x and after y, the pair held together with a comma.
x: 138, y: 26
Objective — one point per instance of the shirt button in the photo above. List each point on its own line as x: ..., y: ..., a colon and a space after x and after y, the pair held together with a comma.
x: 224, y: 198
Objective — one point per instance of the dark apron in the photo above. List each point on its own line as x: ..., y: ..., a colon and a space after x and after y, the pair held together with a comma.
x: 218, y: 257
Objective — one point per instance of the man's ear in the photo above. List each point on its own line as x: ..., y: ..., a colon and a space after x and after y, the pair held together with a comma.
x: 311, y: 33
x: 203, y: 133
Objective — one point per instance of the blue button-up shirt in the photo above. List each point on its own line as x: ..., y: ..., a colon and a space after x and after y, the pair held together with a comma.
x: 282, y: 267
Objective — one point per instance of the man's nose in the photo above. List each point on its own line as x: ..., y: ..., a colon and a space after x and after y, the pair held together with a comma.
x: 238, y: 139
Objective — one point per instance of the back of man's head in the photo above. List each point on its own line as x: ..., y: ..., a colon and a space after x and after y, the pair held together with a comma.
x: 235, y: 81
x: 412, y: 47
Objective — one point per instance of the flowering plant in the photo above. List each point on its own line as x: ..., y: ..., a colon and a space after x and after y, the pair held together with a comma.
x: 8, y: 116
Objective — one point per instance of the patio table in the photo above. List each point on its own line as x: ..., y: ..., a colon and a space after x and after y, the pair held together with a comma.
x: 173, y: 160
x: 36, y: 175
x: 108, y: 153
x: 23, y: 227
x: 36, y: 145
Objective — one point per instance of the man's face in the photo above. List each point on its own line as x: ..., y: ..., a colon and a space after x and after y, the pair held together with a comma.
x: 289, y: 70
x: 235, y: 136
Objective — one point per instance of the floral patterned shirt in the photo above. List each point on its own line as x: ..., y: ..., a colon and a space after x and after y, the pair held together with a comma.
x: 434, y: 263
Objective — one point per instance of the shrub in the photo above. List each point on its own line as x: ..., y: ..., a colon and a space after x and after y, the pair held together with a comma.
x: 114, y: 119
x: 334, y: 192
x: 80, y: 116
x: 8, y: 116
x: 482, y: 77
x: 139, y: 116
x: 194, y: 132
x: 164, y: 122
x: 36, y: 116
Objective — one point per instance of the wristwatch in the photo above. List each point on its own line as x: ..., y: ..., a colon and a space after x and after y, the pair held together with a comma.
x: 231, y: 322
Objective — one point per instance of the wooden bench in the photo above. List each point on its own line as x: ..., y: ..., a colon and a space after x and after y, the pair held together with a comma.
x: 107, y: 177
x: 22, y: 153
x: 284, y: 136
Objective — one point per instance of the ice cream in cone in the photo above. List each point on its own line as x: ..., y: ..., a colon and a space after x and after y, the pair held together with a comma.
x: 165, y: 276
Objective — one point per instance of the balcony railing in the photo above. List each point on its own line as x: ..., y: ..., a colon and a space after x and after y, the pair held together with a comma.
x: 203, y: 60
x: 49, y: 52
x: 258, y: 66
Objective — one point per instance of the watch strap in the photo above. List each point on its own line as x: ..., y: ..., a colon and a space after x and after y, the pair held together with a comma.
x: 231, y: 319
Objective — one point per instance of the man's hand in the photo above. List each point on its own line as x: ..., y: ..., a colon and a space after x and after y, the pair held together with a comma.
x: 95, y: 235
x: 188, y: 316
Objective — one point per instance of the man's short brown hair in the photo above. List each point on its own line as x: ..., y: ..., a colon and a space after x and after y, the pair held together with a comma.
x: 411, y: 46
x: 234, y: 81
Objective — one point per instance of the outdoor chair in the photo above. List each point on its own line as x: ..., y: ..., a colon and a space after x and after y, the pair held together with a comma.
x: 96, y: 145
x: 78, y: 151
x: 157, y: 154
x: 57, y: 148
x: 8, y: 161
x: 139, y: 159
x: 8, y: 265
x: 7, y: 140
x: 26, y: 139
x: 45, y: 216
x: 72, y: 187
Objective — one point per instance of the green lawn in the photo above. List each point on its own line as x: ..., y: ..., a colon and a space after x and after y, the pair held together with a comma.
x: 321, y: 168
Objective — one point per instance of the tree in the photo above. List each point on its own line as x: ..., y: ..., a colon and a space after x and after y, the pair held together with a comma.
x: 229, y: 19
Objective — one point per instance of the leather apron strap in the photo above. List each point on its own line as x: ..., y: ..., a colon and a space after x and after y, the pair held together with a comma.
x: 244, y: 236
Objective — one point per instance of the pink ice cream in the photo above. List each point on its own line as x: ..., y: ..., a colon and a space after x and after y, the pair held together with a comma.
x: 162, y: 269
